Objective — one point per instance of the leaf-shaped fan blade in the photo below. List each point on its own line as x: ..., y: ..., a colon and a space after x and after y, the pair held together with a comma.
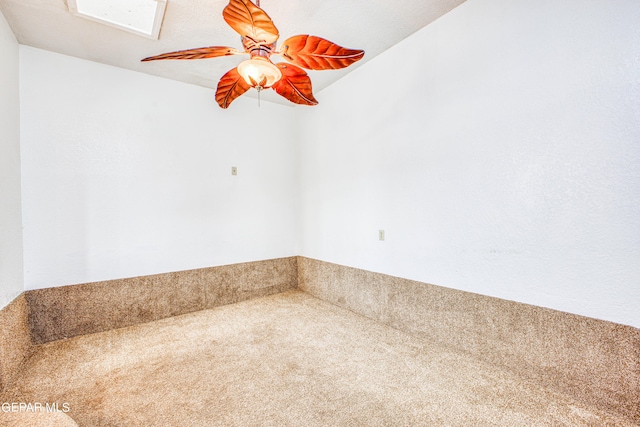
x: 231, y: 86
x: 249, y: 20
x: 316, y: 53
x: 199, y: 53
x: 295, y: 85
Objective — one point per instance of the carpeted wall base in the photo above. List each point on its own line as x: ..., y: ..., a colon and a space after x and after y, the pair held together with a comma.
x: 69, y: 311
x: 285, y: 360
x: 15, y: 342
x: 594, y: 361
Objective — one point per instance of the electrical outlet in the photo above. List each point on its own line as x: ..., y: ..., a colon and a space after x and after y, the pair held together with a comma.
x: 380, y: 234
x: 234, y: 170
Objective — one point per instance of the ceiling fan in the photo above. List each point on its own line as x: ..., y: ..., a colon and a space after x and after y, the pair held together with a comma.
x: 259, y: 35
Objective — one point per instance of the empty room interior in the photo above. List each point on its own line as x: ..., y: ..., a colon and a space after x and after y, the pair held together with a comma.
x: 450, y: 237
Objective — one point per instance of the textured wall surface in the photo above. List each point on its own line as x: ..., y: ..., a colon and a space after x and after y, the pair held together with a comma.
x: 502, y: 162
x: 11, y: 275
x: 15, y: 339
x: 594, y: 361
x: 498, y: 148
x: 67, y: 311
x: 126, y: 174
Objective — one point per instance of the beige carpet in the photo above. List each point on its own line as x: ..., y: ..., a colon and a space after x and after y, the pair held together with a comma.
x: 284, y: 360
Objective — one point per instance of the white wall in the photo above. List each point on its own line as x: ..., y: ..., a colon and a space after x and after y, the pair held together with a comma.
x: 11, y: 277
x: 126, y: 174
x: 501, y: 157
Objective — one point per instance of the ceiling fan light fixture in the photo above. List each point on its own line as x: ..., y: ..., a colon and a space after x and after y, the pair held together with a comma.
x: 259, y: 72
x: 259, y: 36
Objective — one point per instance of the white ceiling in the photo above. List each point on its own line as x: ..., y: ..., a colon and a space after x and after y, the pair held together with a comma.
x: 372, y: 25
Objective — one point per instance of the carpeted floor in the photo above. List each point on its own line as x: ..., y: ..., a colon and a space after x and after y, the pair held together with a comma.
x: 284, y: 360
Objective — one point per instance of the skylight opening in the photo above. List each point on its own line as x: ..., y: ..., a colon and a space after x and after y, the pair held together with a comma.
x: 142, y: 17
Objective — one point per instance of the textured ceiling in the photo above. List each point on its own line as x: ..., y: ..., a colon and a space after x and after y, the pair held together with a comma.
x: 372, y: 25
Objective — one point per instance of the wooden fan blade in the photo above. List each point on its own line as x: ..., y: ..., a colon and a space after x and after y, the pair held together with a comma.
x: 315, y: 53
x: 295, y: 85
x: 249, y: 20
x: 230, y: 86
x: 199, y: 53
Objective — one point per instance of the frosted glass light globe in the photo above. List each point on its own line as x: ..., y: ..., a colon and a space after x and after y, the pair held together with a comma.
x: 258, y: 69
